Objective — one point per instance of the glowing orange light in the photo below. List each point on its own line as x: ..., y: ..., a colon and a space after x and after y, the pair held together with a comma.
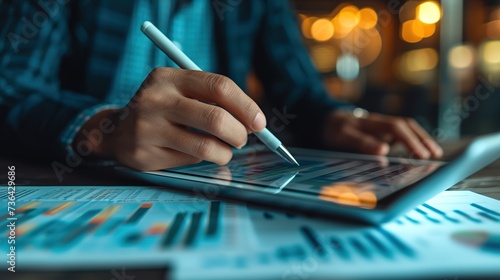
x: 417, y: 28
x: 367, y: 18
x: 368, y: 198
x: 340, y: 30
x: 349, y: 199
x: 429, y: 12
x: 349, y: 17
x: 409, y: 31
x: 322, y: 30
x: 423, y: 30
x: 347, y: 193
x: 429, y: 30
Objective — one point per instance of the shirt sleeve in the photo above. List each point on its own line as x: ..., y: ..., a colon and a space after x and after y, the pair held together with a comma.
x: 38, y: 118
x: 290, y: 80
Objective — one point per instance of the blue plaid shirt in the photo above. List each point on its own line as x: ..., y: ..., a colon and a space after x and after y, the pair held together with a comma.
x: 60, y: 63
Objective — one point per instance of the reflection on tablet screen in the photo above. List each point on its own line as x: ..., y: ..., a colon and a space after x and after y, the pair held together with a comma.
x: 342, y: 178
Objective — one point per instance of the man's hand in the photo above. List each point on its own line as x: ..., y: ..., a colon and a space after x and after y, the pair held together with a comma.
x: 155, y: 130
x: 375, y: 133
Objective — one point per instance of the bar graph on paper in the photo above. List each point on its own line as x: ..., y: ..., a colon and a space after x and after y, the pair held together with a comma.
x: 78, y: 226
x: 456, y: 233
x: 115, y: 219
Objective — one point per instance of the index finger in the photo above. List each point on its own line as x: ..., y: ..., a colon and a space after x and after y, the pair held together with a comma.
x: 400, y: 129
x: 218, y: 89
x: 435, y: 149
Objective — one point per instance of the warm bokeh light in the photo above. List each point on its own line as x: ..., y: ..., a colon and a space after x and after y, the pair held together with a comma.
x: 322, y: 30
x: 429, y: 12
x: 324, y: 57
x: 306, y: 26
x: 491, y: 52
x: 429, y: 30
x: 461, y: 57
x: 489, y: 61
x: 368, y: 198
x: 493, y: 29
x: 422, y: 59
x: 340, y: 30
x: 417, y: 28
x: 423, y: 30
x: 349, y: 199
x: 408, y: 30
x: 414, y: 31
x: 336, y: 190
x: 367, y: 18
x: 349, y: 17
x: 418, y: 66
x: 349, y: 193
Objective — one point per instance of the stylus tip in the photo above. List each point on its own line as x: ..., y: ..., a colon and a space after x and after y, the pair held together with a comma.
x: 285, y: 154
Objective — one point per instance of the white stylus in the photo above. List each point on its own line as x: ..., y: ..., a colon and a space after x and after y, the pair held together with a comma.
x: 181, y: 59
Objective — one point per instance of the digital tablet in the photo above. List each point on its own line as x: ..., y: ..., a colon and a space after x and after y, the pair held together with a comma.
x: 371, y: 189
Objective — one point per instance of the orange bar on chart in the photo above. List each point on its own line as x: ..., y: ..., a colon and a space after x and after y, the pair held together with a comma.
x: 58, y: 208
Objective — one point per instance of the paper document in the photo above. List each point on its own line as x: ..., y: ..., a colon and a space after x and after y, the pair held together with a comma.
x: 454, y: 234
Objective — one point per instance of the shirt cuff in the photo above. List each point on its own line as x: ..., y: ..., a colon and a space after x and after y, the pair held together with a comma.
x: 76, y: 124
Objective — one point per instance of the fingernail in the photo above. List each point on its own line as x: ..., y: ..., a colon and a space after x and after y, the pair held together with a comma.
x: 384, y: 149
x: 377, y: 148
x: 242, y: 145
x: 424, y: 154
x: 259, y: 123
x: 438, y: 151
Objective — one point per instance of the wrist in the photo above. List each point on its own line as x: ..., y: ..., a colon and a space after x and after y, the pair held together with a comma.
x: 95, y: 136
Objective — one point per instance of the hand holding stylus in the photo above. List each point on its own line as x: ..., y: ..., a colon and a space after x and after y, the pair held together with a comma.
x: 169, y: 48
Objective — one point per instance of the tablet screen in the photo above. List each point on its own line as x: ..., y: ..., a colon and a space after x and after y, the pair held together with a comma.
x: 341, y: 178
